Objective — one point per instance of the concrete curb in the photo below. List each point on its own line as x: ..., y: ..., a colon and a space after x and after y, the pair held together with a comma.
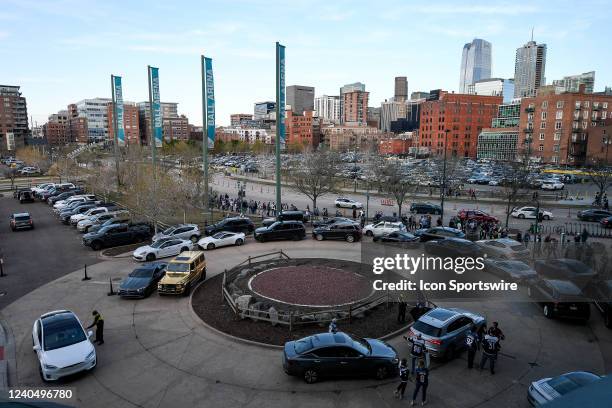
x: 7, y: 357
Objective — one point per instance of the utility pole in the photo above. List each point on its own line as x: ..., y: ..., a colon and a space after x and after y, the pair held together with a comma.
x: 443, y: 187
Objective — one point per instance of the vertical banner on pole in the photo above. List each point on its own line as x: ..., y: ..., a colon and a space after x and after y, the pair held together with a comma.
x: 156, y: 106
x: 118, y: 112
x: 280, y: 93
x: 210, y: 102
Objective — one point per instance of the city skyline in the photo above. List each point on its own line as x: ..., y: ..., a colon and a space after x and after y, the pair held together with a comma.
x: 56, y: 64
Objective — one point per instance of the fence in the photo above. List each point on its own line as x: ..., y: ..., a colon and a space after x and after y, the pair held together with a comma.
x: 576, y: 228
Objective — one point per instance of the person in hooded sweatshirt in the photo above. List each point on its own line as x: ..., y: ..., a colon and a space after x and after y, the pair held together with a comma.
x: 490, y: 348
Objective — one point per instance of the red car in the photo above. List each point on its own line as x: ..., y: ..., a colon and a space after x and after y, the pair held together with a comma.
x: 479, y: 216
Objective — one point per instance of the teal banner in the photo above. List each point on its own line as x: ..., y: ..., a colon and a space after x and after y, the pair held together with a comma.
x: 156, y: 107
x: 280, y: 93
x: 118, y: 111
x: 210, y: 101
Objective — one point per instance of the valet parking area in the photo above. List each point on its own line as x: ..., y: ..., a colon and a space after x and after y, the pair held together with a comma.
x: 158, y: 352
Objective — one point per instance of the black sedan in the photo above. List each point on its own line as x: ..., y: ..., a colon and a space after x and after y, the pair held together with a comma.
x: 510, y: 270
x: 347, y: 231
x: 438, y: 233
x: 566, y: 269
x: 326, y: 222
x: 425, y: 208
x: 338, y: 355
x: 593, y: 214
x: 454, y: 247
x: 142, y: 281
x: 560, y: 298
x: 397, y: 236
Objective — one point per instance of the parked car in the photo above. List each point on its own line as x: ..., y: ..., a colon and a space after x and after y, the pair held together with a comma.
x: 82, y: 208
x: 566, y: 269
x: 382, y: 228
x: 328, y: 222
x: 182, y: 273
x: 59, y: 205
x: 543, y: 391
x: 425, y: 208
x: 142, y: 281
x: 74, y: 219
x: 232, y: 224
x: 600, y: 291
x: 328, y: 355
x: 17, y: 192
x: 183, y: 231
x: 286, y: 216
x: 41, y: 187
x: 479, y: 216
x: 61, y: 196
x: 104, y: 220
x: 503, y: 248
x: 62, y: 346
x: 438, y: 233
x: 29, y: 171
x: 45, y: 194
x: 552, y: 185
x: 530, y: 213
x: 343, y: 202
x: 397, y: 236
x: 559, y: 298
x: 606, y: 222
x: 221, y: 239
x: 444, y: 330
x: 453, y: 247
x: 26, y: 197
x: 117, y: 234
x: 162, y: 248
x: 593, y: 214
x: 281, y: 230
x: 19, y: 221
x: 511, y: 270
x: 349, y: 232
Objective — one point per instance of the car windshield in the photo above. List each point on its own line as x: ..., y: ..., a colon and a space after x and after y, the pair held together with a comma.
x: 157, y: 244
x: 275, y: 225
x: 303, y: 345
x: 362, y: 346
x: 168, y: 231
x: 141, y: 273
x: 62, y: 332
x: 218, y: 235
x: 426, y: 329
x: 22, y: 218
x: 178, y: 267
x: 563, y: 384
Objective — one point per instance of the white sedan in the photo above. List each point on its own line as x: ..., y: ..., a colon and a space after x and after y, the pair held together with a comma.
x: 162, y: 249
x: 343, y: 202
x: 383, y: 228
x: 62, y: 345
x: 223, y: 238
x: 552, y: 185
x: 74, y: 219
x: 530, y: 212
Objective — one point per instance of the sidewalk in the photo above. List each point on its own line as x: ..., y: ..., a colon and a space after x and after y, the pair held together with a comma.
x: 7, y: 356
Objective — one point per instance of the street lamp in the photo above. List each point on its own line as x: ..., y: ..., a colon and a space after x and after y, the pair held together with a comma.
x: 443, y: 187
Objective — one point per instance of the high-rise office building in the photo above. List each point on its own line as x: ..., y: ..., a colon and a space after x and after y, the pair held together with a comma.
x: 300, y: 98
x: 572, y: 83
x: 475, y: 63
x: 493, y: 87
x: 529, y: 67
x: 389, y: 112
x: 328, y: 108
x: 348, y: 88
x: 355, y: 108
x: 14, y: 127
x: 95, y: 112
x: 401, y: 89
x: 263, y: 110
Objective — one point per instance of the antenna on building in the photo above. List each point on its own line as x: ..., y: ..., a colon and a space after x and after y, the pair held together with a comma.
x: 532, y: 33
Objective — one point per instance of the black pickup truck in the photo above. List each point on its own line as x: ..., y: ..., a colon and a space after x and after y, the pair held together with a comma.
x: 118, y: 234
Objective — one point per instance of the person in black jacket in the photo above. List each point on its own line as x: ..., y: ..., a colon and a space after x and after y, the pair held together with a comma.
x: 99, y: 323
x: 404, y: 373
x: 471, y: 343
x: 421, y: 382
x: 401, y: 310
x: 490, y: 348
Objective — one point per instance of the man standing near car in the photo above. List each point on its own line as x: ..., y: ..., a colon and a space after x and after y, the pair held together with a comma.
x: 401, y: 310
x: 490, y: 348
x: 471, y: 343
x: 99, y: 323
x: 417, y: 350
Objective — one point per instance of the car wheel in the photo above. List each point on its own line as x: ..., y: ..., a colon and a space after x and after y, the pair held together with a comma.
x: 546, y: 217
x: 187, y: 290
x: 381, y: 373
x: 183, y: 249
x: 96, y: 245
x: 350, y: 238
x: 319, y: 237
x: 548, y: 312
x: 369, y: 233
x: 40, y: 372
x: 194, y: 238
x: 295, y: 238
x: 210, y: 246
x: 239, y: 241
x: 521, y: 216
x: 311, y: 376
x: 150, y: 257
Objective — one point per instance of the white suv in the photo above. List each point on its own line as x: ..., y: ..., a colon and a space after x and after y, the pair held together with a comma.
x: 183, y: 231
x: 552, y: 185
x: 347, y: 203
x: 74, y: 219
x: 383, y: 228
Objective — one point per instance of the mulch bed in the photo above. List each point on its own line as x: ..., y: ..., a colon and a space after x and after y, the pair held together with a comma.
x: 209, y: 305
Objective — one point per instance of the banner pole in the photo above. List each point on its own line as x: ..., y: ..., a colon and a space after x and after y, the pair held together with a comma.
x: 152, y: 141
x: 277, y: 141
x: 204, y: 134
x: 115, y: 132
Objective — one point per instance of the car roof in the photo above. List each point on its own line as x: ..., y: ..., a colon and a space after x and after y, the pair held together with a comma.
x: 25, y: 214
x: 564, y: 287
x: 187, y: 256
x: 438, y: 317
x: 328, y: 339
x: 56, y: 314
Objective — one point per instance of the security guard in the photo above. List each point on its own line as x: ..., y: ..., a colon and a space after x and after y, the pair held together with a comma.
x: 471, y: 343
x: 99, y: 323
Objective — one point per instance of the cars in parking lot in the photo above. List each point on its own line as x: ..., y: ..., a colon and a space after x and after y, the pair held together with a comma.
x: 559, y: 299
x: 162, y: 248
x: 104, y: 220
x: 438, y: 233
x: 19, y: 221
x: 382, y: 228
x: 40, y: 187
x: 453, y: 247
x: 349, y: 232
x: 183, y: 231
x: 510, y: 269
x: 142, y: 281
x: 55, y: 188
x: 74, y: 219
x: 444, y: 330
x: 80, y: 208
x: 545, y: 390
x: 552, y: 185
x: 62, y: 346
x: 396, y: 236
x: 329, y: 355
x: 26, y: 197
x: 566, y: 269
x: 286, y: 216
x: 593, y: 214
x: 231, y: 224
x: 343, y: 202
x: 425, y: 208
x: 221, y: 239
x: 61, y: 196
x: 117, y: 234
x: 281, y: 230
x: 71, y: 201
x: 503, y: 248
x: 530, y: 213
x: 327, y: 222
x: 182, y: 273
x: 479, y: 216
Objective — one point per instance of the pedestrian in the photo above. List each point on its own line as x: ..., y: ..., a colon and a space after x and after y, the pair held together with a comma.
x: 490, y: 348
x: 403, y: 375
x: 417, y: 350
x: 354, y: 213
x: 519, y: 236
x: 99, y: 323
x: 401, y: 310
x: 325, y: 213
x: 585, y: 235
x: 333, y: 326
x: 527, y: 238
x: 439, y: 222
x: 495, y: 331
x: 421, y: 382
x: 471, y: 343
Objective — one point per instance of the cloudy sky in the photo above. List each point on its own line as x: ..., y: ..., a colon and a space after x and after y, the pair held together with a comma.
x: 62, y: 51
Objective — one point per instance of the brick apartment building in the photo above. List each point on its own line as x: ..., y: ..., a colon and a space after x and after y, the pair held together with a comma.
x: 599, y: 141
x: 299, y: 128
x: 462, y: 116
x: 175, y: 128
x: 557, y: 127
x: 14, y: 127
x: 355, y: 108
x: 345, y: 138
x: 131, y: 123
x: 397, y: 145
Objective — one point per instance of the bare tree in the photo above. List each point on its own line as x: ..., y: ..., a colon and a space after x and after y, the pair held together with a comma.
x: 394, y: 181
x: 601, y: 175
x: 314, y: 174
x: 514, y: 183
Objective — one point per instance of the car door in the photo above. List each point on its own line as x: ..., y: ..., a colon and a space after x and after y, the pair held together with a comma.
x: 167, y: 248
x: 457, y: 330
x: 350, y: 362
x: 121, y: 235
x: 327, y: 361
x: 224, y: 239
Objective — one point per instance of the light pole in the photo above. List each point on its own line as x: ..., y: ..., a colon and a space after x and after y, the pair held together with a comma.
x: 443, y: 186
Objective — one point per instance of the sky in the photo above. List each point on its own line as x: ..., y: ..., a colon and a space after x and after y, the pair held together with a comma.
x: 62, y: 51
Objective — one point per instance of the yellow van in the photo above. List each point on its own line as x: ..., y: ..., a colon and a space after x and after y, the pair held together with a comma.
x: 182, y: 273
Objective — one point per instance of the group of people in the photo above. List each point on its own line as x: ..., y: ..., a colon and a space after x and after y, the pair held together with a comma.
x: 601, y: 201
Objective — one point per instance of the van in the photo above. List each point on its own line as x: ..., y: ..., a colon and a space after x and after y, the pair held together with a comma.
x: 183, y: 273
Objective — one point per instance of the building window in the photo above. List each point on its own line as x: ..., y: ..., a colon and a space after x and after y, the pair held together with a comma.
x: 558, y: 124
x: 556, y: 148
x: 543, y: 115
x: 559, y: 114
x: 555, y: 159
x: 530, y: 117
x: 544, y: 104
x: 585, y: 124
x: 559, y: 104
x: 541, y: 148
x: 586, y: 104
x: 557, y: 136
x: 585, y: 114
x: 604, y: 114
x: 543, y: 125
x: 541, y: 136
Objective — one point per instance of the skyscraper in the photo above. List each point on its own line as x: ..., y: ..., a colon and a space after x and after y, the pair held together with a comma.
x: 572, y: 83
x: 475, y: 63
x: 529, y: 69
x: 328, y: 108
x: 354, y: 87
x: 300, y: 98
x: 401, y: 89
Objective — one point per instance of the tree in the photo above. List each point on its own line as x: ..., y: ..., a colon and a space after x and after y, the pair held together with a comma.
x: 33, y: 156
x: 393, y: 181
x: 514, y: 184
x: 314, y: 174
x: 600, y: 174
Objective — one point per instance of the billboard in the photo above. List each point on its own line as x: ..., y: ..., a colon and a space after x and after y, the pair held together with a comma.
x: 280, y: 93
x: 210, y: 101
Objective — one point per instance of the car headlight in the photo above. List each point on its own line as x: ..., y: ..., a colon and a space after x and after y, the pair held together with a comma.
x: 140, y: 290
x: 49, y: 367
x: 91, y: 355
x: 396, y: 361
